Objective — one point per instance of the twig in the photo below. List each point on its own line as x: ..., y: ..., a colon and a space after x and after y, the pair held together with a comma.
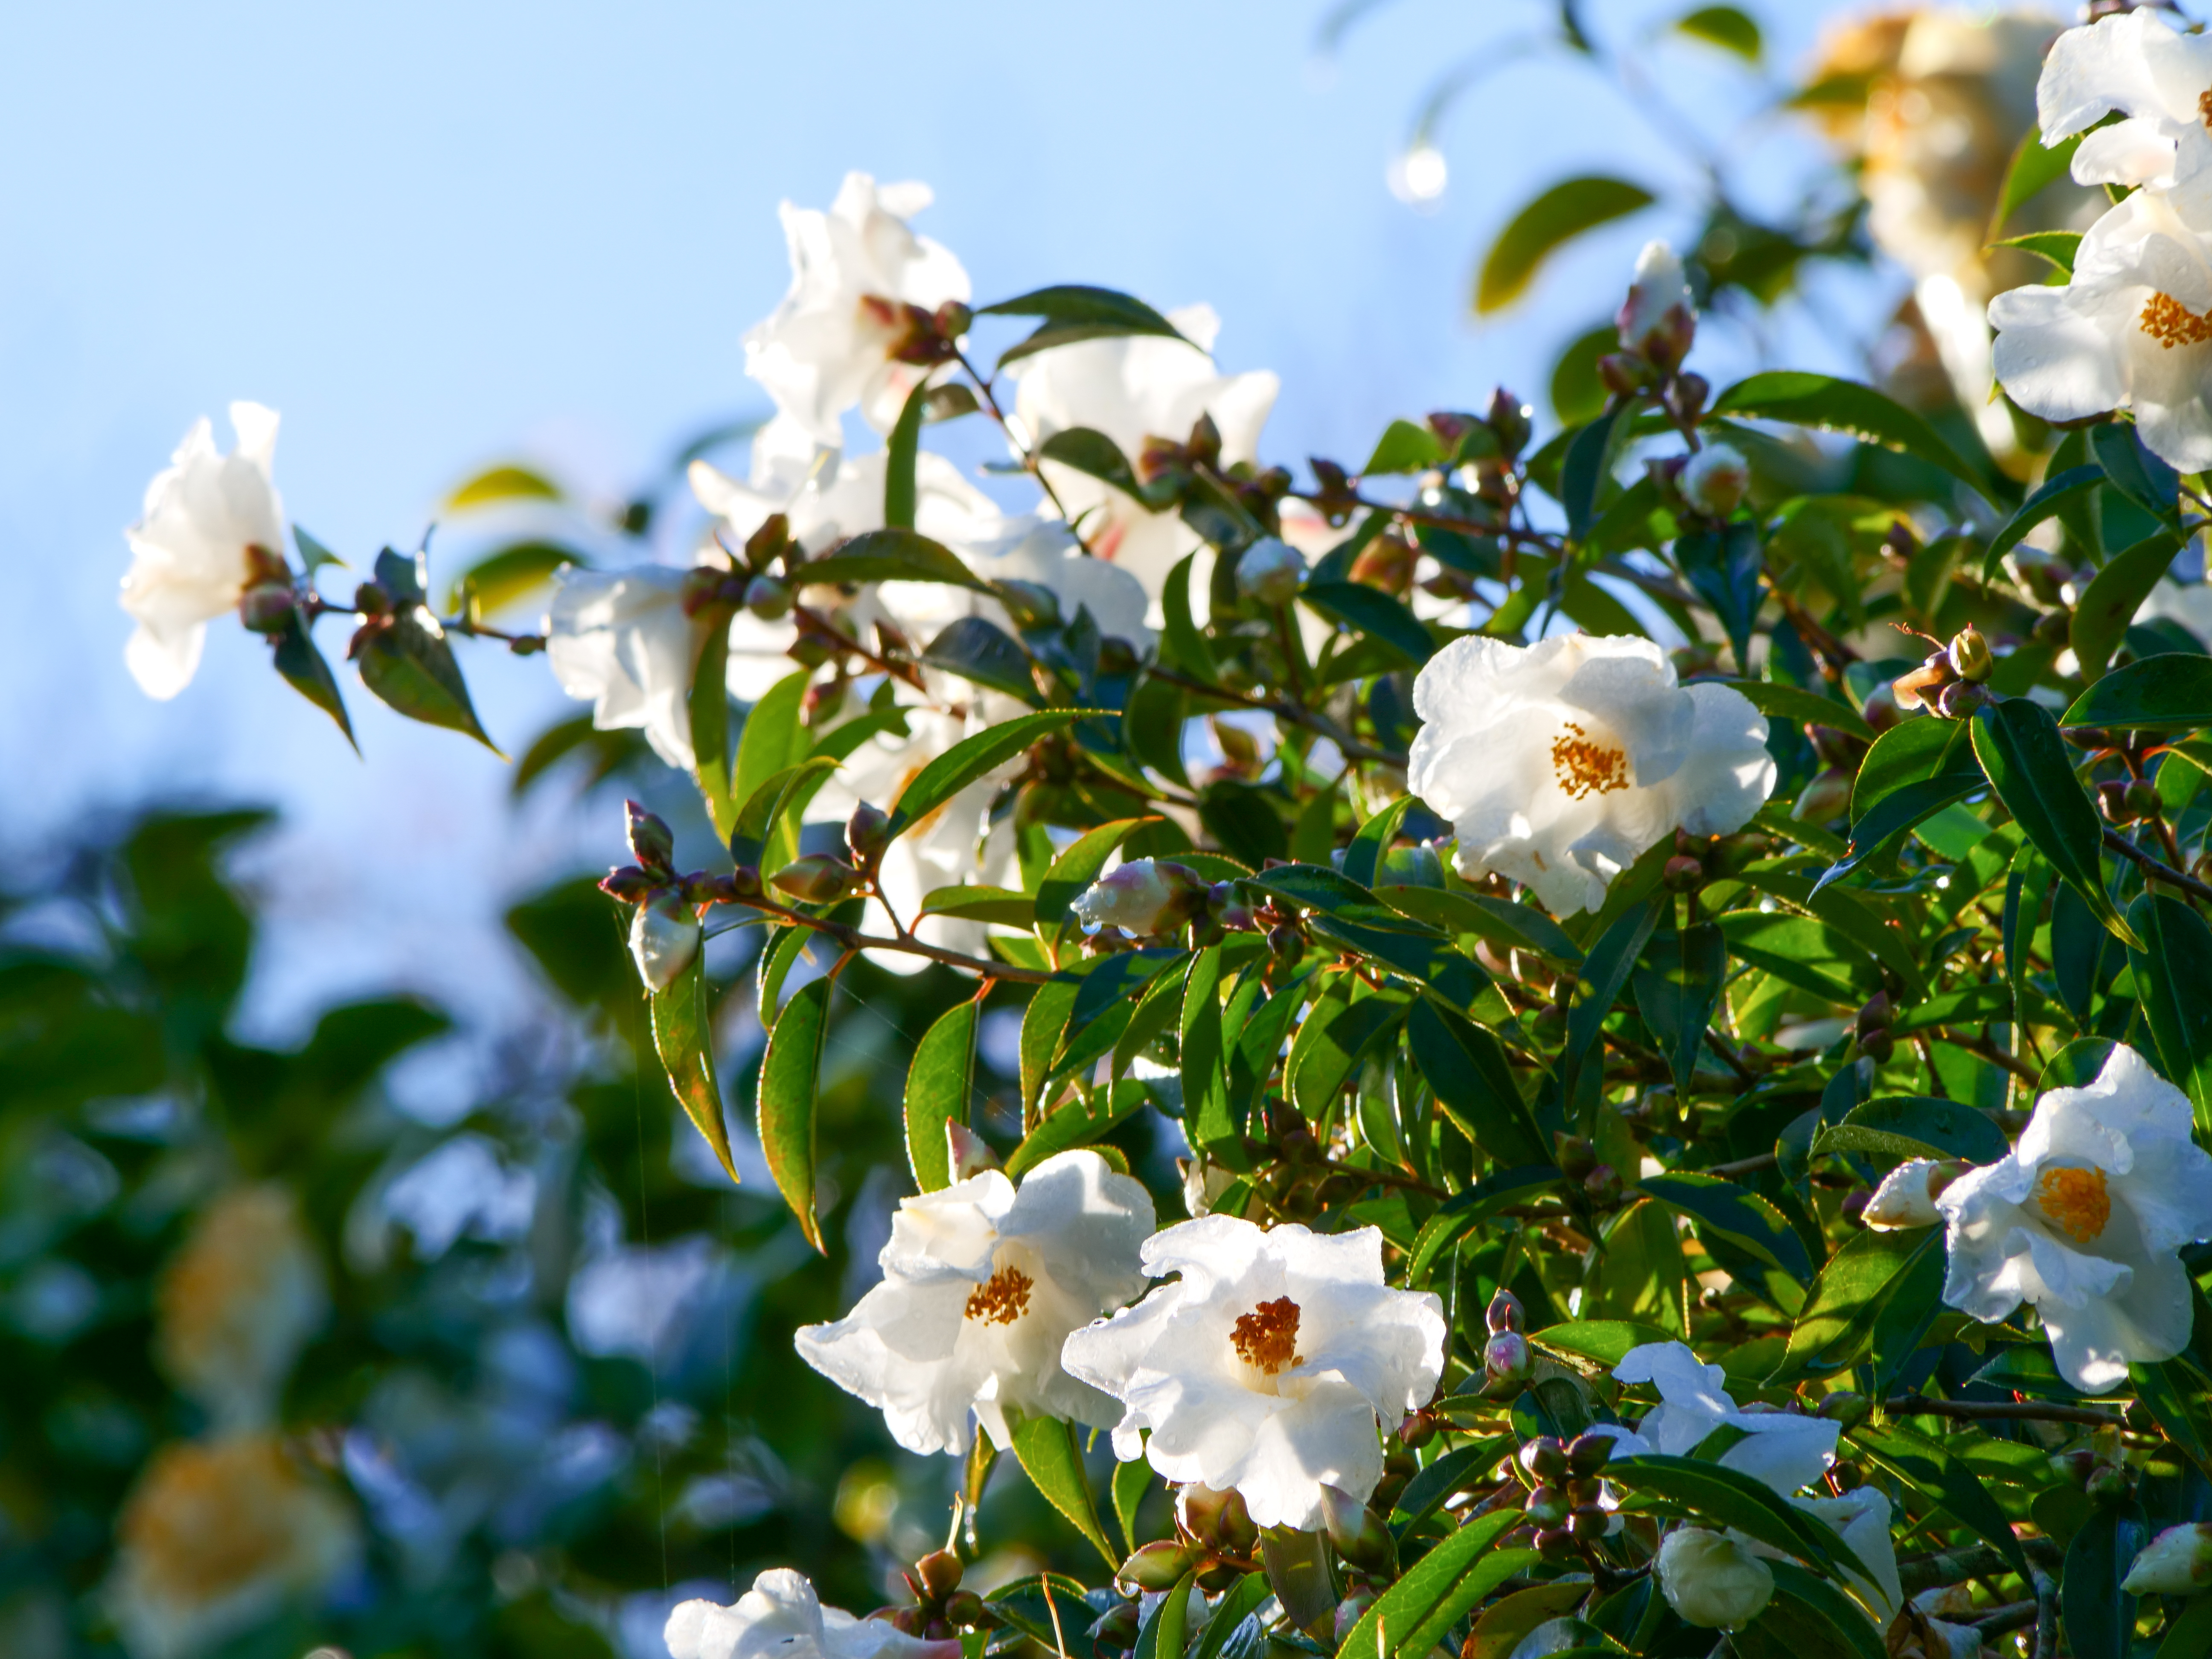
x: 1996, y: 1056
x: 1995, y: 1621
x: 2046, y: 1616
x: 1970, y: 1411
x: 852, y: 938
x: 1741, y: 1166
x: 2155, y: 868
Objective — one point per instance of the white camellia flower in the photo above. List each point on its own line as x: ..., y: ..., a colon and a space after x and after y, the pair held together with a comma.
x: 1780, y: 1448
x: 1714, y: 478
x: 827, y: 347
x: 2082, y: 1218
x: 782, y: 1617
x: 1045, y: 552
x: 1712, y: 1580
x: 2178, y: 1563
x: 1132, y: 388
x: 2140, y: 66
x: 620, y: 639
x: 1557, y: 763
x: 1906, y: 1197
x: 982, y: 1282
x: 1860, y: 1518
x: 188, y: 553
x: 1266, y: 1366
x: 2131, y: 330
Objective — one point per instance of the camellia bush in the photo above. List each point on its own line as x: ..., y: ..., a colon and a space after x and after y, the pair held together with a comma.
x: 1672, y: 951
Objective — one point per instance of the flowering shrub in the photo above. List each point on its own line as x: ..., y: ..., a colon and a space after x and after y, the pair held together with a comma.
x: 1689, y: 1104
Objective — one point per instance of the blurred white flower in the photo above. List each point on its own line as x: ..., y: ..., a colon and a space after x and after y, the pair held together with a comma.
x: 237, y: 1301
x: 1710, y: 1579
x: 1132, y: 388
x: 1714, y: 478
x: 2178, y: 1563
x: 2082, y: 1218
x: 620, y: 639
x: 2138, y: 64
x: 1266, y: 1366
x: 1557, y: 763
x: 1045, y: 552
x: 1659, y: 315
x: 982, y: 1282
x: 780, y: 1617
x: 188, y: 560
x: 1906, y: 1197
x: 1781, y: 1449
x: 1138, y: 896
x: 216, y: 1539
x: 828, y: 346
x: 1860, y: 1518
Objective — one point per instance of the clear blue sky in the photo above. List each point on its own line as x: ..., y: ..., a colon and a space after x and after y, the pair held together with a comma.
x: 435, y: 235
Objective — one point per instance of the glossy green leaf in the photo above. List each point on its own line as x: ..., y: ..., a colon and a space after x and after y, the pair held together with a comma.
x: 1741, y: 1218
x: 2019, y: 749
x: 301, y: 663
x: 1404, y: 446
x: 1603, y: 1341
x: 1466, y: 1065
x: 761, y: 834
x: 1410, y: 1616
x: 684, y: 1037
x: 939, y: 1081
x: 2134, y: 472
x: 2173, y: 977
x: 1507, y: 925
x: 2034, y: 168
x: 1678, y: 984
x: 1048, y: 1455
x: 789, y: 1075
x: 1831, y: 404
x: 1337, y: 1034
x: 1186, y: 647
x: 709, y: 713
x: 1808, y: 1617
x: 888, y: 555
x: 1072, y: 313
x: 1791, y: 702
x: 1075, y: 1123
x: 1587, y: 470
x: 971, y: 758
x: 1556, y: 217
x: 1915, y: 1125
x: 1937, y: 1475
x: 1605, y: 975
x: 1834, y: 1326
x: 1044, y: 1028
x: 2114, y: 595
x: 2050, y: 498
x: 1131, y: 1482
x: 1732, y: 1499
x: 1373, y: 840
x: 2099, y: 1616
x: 1374, y: 613
x: 2170, y: 692
x: 406, y: 660
x: 901, y: 455
x: 2176, y: 1394
x: 1206, y: 1116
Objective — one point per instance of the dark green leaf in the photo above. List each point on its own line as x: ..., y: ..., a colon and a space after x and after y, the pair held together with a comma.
x: 1504, y: 923
x: 1935, y: 1474
x: 1207, y: 1119
x: 1072, y: 1123
x: 1371, y: 611
x: 900, y: 455
x: 2173, y: 977
x: 300, y: 662
x: 2018, y: 745
x: 2034, y: 167
x: 407, y: 661
x: 2051, y: 497
x: 1466, y: 1065
x: 1553, y: 219
x: 760, y: 836
x: 1586, y: 471
x: 1330, y: 1044
x: 1410, y: 1616
x: 684, y: 1036
x: 1604, y: 977
x: 1724, y: 26
x: 937, y: 1083
x: 1045, y: 1029
x: 1915, y: 1125
x: 710, y: 711
x: 2114, y: 595
x: 1808, y: 1617
x: 888, y: 555
x: 1130, y: 1481
x: 1724, y: 569
x: 1404, y: 446
x: 1605, y: 1341
x: 982, y: 652
x: 1791, y: 702
x: 1049, y: 1457
x: 2176, y: 1394
x: 1373, y: 840
x: 1187, y: 648
x: 2170, y: 692
x: 1678, y: 984
x: 2136, y: 472
x: 1094, y: 454
x: 787, y: 1085
x: 1735, y: 1500
x: 971, y: 758
x: 1578, y: 396
x: 2098, y: 1616
x: 1836, y: 1322
x: 1831, y: 404
x: 1740, y: 1217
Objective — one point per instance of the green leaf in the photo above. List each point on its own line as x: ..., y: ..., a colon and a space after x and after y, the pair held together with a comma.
x: 313, y: 556
x: 1131, y: 1479
x: 1072, y: 313
x: 1914, y: 751
x: 1244, y: 1599
x: 407, y: 661
x: 889, y: 555
x: 2058, y: 246
x: 1724, y: 26
x: 1404, y: 446
x: 2050, y: 498
x: 1426, y: 1491
x: 1791, y: 702
x: 1678, y: 984
x: 776, y: 962
x: 1207, y: 1118
x: 1586, y: 471
x: 710, y: 726
x: 985, y: 655
x: 1007, y: 907
x: 1832, y: 1329
x: 1075, y: 1122
x: 2170, y: 692
x: 1076, y: 868
x: 2136, y: 472
x: 1093, y: 454
x: 1735, y: 1500
x: 684, y: 1036
x: 1604, y: 976
x: 297, y: 658
x: 1831, y: 404
x: 1604, y: 1341
x: 2018, y: 745
x: 938, y: 1080
x: 1044, y: 1028
x: 1164, y: 1633
x: 788, y: 1085
x: 2176, y: 1394
x: 1368, y: 611
x: 1741, y: 1218
x: 1465, y: 1065
x: 773, y: 738
x: 2173, y: 977
x: 1047, y: 1450
x: 1546, y: 224
x: 510, y: 573
x: 1411, y: 1616
x: 2113, y: 597
x: 2190, y: 1635
x: 972, y: 758
x: 1915, y: 1125
x: 2099, y: 1616
x: 1808, y: 1617
x: 1504, y: 923
x: 760, y: 830
x: 1329, y: 1046
x: 503, y: 483
x: 1373, y: 841
x: 1935, y: 1474
x: 900, y: 455
x: 2034, y: 167
x: 1187, y: 648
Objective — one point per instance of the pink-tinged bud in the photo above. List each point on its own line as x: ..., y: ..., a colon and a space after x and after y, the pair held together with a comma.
x: 1548, y: 1506
x: 1224, y: 901
x: 1602, y: 1184
x: 1918, y: 688
x: 1878, y: 1046
x: 1658, y: 320
x: 650, y: 842
x: 1586, y: 1455
x: 1511, y: 421
x: 817, y: 879
x: 1144, y: 896
x: 1555, y: 1542
x: 1156, y: 1566
x: 1574, y: 1154
x: 1711, y: 1580
x: 1270, y: 572
x: 1620, y: 372
x: 1691, y: 393
x: 1544, y: 1459
x: 1825, y: 799
x: 1506, y: 1360
x: 1876, y: 1013
x: 1416, y: 1430
x: 627, y: 883
x: 1715, y: 479
x: 1218, y: 1520
x: 2178, y: 1563
x: 1358, y: 1532
x: 1504, y: 1313
x: 865, y: 833
x: 1906, y: 1197
x: 664, y: 938
x: 967, y: 1153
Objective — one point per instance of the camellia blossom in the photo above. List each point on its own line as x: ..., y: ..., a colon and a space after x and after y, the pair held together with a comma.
x: 214, y: 1538
x: 2084, y: 1218
x: 782, y: 1617
x: 1906, y: 1197
x: 237, y: 1303
x: 620, y: 639
x: 1557, y: 763
x: 1781, y: 1449
x: 1712, y: 1580
x: 1660, y: 314
x: 2138, y: 64
x: 1860, y: 1518
x: 189, y: 553
x: 1132, y: 388
x: 982, y: 1282
x: 1265, y: 1368
x: 2132, y: 329
x: 828, y: 346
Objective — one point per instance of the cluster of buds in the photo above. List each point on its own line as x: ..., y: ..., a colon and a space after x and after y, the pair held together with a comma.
x: 752, y: 583
x: 1874, y: 1019
x: 940, y: 1609
x: 1952, y: 682
x: 1153, y: 898
x: 1700, y: 858
x: 1578, y: 1161
x: 2097, y: 1467
x: 664, y: 929
x: 1490, y: 443
x: 1828, y: 797
x: 1507, y: 1363
x: 1563, y: 1503
x: 825, y: 879
x: 924, y: 338
x: 1168, y: 472
x: 1214, y: 1534
x: 2129, y: 800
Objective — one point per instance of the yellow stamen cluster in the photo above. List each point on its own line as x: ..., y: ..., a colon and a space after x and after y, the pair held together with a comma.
x: 2171, y: 323
x: 2075, y: 1201
x: 1266, y: 1338
x: 1584, y: 768
x: 1004, y: 1298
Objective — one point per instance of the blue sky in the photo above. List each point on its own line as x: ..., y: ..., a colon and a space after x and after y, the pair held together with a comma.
x: 434, y: 236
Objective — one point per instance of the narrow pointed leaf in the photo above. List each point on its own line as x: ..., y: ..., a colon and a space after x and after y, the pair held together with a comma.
x: 972, y: 758
x: 938, y: 1083
x: 790, y: 1075
x: 684, y: 1036
x: 2019, y: 749
x: 1047, y: 1450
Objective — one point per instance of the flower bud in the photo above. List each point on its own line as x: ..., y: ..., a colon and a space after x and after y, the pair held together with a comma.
x: 650, y: 842
x: 1960, y: 699
x: 1548, y: 1506
x: 767, y: 545
x: 1504, y: 1313
x: 2178, y: 1563
x: 267, y: 607
x: 1554, y: 1541
x: 1691, y: 393
x: 768, y: 598
x: 1270, y: 572
x: 1506, y: 1360
x: 1711, y: 1580
x: 1825, y: 799
x: 1510, y: 422
x: 1358, y: 1532
x: 2109, y: 1483
x: 1225, y: 903
x: 1876, y: 1013
x: 1218, y: 1519
x: 966, y: 1609
x: 1683, y: 874
x: 2112, y: 801
x: 1416, y: 1430
x: 1602, y: 1184
x: 1156, y: 1566
x: 1878, y: 1046
x: 1284, y: 941
x: 2141, y: 797
x: 628, y: 883
x: 1588, y: 1522
x: 1906, y: 1197
x: 1144, y: 896
x: 817, y: 879
x: 1586, y: 1455
x: 1969, y: 655
x: 937, y: 1574
x: 1574, y: 1155
x: 1714, y: 481
x: 1658, y: 320
x: 1545, y: 1459
x: 664, y: 938
x: 864, y: 833
x: 1918, y: 690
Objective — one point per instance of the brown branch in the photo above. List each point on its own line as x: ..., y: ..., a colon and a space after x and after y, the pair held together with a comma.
x: 2156, y: 869
x: 852, y: 938
x: 1995, y: 1621
x: 2046, y: 1616
x: 1996, y: 1056
x: 1971, y: 1411
x: 1741, y: 1166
